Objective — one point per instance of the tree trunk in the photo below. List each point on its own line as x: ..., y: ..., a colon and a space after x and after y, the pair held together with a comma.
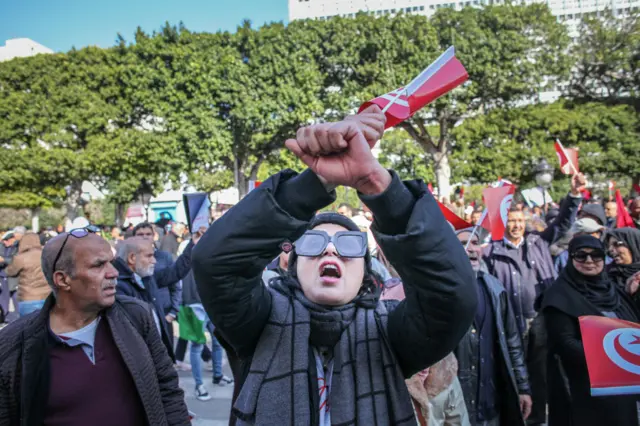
x: 242, y: 183
x: 119, y: 214
x: 442, y: 170
x: 35, y: 220
x: 72, y: 203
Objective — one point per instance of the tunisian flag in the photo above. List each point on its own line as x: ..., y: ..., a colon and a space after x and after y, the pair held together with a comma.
x: 624, y: 219
x: 442, y: 76
x: 568, y: 158
x: 497, y: 202
x: 612, y: 350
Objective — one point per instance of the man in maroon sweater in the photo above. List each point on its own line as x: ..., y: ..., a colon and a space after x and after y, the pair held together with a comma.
x: 87, y: 357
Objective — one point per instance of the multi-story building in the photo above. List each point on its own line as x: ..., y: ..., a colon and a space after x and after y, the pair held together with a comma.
x: 568, y: 11
x: 21, y: 47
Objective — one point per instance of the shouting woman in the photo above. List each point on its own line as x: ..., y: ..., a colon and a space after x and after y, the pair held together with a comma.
x: 317, y: 345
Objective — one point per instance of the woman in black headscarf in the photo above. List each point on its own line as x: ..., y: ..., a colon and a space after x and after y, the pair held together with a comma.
x: 623, y: 246
x: 583, y: 288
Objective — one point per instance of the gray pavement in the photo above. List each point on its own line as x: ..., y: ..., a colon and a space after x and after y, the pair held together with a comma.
x: 214, y: 412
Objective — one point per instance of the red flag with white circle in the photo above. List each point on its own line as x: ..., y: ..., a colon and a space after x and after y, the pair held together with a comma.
x: 497, y: 202
x: 612, y: 350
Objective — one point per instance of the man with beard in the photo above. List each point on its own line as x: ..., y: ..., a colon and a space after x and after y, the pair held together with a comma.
x: 136, y: 263
x: 490, y: 356
x: 88, y: 357
x: 522, y: 262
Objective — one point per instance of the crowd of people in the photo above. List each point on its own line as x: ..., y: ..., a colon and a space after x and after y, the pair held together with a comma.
x: 381, y: 315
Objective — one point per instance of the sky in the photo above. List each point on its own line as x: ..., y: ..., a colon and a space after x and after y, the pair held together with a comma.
x: 63, y: 24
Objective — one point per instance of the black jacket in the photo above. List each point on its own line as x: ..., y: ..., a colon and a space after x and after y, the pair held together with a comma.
x: 510, y: 365
x: 171, y: 295
x: 229, y: 260
x: 128, y: 286
x: 570, y: 400
x: 24, y: 365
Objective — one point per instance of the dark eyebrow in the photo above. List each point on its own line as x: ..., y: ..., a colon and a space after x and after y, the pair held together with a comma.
x: 100, y: 261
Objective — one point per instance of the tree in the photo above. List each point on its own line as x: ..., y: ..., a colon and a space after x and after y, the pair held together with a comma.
x: 607, y: 59
x: 509, y: 142
x: 398, y: 151
x: 511, y: 53
x: 230, y: 100
x: 69, y: 118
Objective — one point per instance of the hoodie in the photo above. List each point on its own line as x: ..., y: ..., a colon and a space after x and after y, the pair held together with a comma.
x: 26, y: 265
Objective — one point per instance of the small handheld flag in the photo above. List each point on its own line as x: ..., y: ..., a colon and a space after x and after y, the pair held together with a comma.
x: 439, y: 78
x: 568, y: 158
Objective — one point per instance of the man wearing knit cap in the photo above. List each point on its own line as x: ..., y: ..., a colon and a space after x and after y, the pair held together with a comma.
x: 318, y: 346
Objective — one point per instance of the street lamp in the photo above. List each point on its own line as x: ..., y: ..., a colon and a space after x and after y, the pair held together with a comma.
x: 145, y: 197
x: 544, y: 178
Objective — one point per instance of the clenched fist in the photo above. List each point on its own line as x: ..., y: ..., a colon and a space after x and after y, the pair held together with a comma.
x: 340, y: 153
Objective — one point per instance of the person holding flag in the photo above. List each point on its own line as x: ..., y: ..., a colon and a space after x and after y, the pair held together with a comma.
x: 583, y: 288
x: 523, y: 263
x: 318, y: 345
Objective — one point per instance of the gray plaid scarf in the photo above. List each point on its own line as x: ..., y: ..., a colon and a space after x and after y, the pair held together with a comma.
x: 277, y: 388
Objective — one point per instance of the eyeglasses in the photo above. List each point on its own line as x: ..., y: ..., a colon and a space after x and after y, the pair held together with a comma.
x: 347, y: 243
x: 77, y: 233
x: 582, y: 256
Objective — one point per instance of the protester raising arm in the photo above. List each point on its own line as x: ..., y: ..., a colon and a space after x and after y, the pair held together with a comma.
x: 561, y: 225
x: 231, y: 256
x: 409, y: 226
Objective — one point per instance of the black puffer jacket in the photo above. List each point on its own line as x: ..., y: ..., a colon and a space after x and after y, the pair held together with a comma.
x: 24, y: 365
x: 510, y: 364
x: 229, y: 260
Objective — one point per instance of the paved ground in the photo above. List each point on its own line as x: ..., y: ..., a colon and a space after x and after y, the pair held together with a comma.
x: 214, y: 412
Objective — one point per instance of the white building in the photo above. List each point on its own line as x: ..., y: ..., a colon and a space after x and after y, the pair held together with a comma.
x: 568, y: 11
x: 21, y: 47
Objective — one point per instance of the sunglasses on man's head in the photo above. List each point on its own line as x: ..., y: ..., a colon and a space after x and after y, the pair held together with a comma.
x: 77, y: 233
x: 347, y: 243
x: 582, y: 256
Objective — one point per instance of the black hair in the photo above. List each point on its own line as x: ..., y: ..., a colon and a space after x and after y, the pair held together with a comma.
x: 142, y: 225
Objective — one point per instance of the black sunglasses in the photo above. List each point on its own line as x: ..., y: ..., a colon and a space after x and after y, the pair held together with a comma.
x: 582, y: 256
x: 347, y: 243
x: 77, y: 233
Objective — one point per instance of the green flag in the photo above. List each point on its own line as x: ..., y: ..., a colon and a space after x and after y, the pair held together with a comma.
x: 191, y: 328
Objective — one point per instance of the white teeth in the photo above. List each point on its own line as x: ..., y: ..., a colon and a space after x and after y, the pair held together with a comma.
x: 332, y: 268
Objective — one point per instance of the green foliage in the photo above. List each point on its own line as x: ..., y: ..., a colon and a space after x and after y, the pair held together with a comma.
x: 607, y: 59
x: 216, y: 108
x: 509, y: 143
x: 100, y: 212
x: 510, y: 52
x: 400, y: 152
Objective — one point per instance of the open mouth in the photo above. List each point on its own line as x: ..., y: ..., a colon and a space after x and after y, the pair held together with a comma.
x: 330, y: 270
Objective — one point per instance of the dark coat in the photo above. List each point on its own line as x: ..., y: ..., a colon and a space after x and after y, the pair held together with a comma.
x: 502, y: 265
x: 24, y: 365
x: 128, y: 286
x: 7, y: 253
x: 171, y: 295
x: 510, y: 365
x: 570, y: 400
x: 229, y: 260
